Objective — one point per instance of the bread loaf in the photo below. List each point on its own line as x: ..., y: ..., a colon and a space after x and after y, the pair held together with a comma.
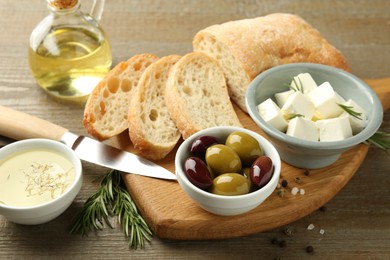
x: 247, y: 47
x: 106, y: 110
x: 197, y: 96
x: 151, y: 128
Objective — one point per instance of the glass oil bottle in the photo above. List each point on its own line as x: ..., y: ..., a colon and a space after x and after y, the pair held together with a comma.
x: 69, y: 52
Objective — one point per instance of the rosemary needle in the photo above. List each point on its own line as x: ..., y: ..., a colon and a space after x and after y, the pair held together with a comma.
x: 292, y: 116
x: 112, y: 200
x: 133, y: 225
x: 349, y: 110
x: 380, y: 140
x: 298, y: 85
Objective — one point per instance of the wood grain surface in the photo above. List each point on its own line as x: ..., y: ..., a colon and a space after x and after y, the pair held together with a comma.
x: 357, y: 220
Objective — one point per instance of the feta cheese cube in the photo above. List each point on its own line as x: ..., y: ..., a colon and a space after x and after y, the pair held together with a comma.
x: 334, y: 129
x: 298, y: 104
x: 339, y: 98
x: 271, y: 114
x: 357, y: 124
x: 325, y: 100
x: 302, y: 128
x: 304, y: 83
x: 282, y: 97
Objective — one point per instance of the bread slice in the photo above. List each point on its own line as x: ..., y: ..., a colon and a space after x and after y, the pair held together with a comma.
x: 197, y: 96
x: 245, y: 48
x: 106, y: 110
x: 151, y: 128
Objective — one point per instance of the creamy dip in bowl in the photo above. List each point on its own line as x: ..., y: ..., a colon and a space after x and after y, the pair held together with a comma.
x: 39, y: 179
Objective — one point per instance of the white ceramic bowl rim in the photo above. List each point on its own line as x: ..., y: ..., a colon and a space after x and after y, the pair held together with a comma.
x: 277, y: 166
x: 27, y: 144
x: 372, y: 126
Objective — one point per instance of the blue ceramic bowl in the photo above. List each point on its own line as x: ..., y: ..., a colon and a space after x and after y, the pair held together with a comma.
x: 310, y: 154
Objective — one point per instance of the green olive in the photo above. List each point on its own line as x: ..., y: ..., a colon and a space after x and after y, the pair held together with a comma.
x: 246, y: 171
x: 246, y: 146
x: 230, y: 184
x: 222, y: 159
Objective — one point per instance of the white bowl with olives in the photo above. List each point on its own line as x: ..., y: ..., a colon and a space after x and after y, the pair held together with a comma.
x: 227, y: 170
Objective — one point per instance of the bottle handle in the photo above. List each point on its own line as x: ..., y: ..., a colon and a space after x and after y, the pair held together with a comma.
x: 97, y: 9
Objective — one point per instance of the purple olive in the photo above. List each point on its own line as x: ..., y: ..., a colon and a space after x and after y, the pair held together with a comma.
x: 200, y: 145
x: 197, y: 173
x: 261, y: 171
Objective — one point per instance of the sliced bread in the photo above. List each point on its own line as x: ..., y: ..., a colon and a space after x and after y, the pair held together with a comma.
x: 105, y: 113
x: 197, y: 96
x: 245, y: 48
x: 151, y: 128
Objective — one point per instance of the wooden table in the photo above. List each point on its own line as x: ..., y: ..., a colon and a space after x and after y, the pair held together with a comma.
x: 357, y: 219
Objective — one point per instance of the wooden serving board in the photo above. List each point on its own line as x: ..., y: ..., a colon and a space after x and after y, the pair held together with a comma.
x: 171, y: 214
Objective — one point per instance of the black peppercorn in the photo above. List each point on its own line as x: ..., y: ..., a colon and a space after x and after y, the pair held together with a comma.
x: 284, y: 183
x: 323, y: 208
x: 283, y: 243
x: 309, y: 249
x: 275, y: 241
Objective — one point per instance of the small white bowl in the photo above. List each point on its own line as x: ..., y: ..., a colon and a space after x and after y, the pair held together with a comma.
x: 309, y: 154
x: 31, y: 215
x: 220, y: 204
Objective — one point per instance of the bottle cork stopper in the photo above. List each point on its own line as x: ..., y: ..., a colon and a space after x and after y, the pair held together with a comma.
x: 63, y: 4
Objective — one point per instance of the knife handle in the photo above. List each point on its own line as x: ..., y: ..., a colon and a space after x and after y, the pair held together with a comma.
x: 18, y: 125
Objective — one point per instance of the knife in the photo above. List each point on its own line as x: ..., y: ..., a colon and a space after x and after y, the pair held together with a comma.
x: 18, y: 125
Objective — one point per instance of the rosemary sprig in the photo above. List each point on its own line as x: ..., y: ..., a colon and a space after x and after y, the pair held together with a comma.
x: 381, y: 140
x: 350, y: 111
x: 291, y: 116
x: 133, y: 225
x: 298, y: 86
x: 112, y: 200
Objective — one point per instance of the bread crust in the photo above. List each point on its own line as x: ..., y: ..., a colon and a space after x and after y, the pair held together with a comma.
x: 264, y: 42
x: 185, y: 108
x: 150, y: 90
x: 111, y: 97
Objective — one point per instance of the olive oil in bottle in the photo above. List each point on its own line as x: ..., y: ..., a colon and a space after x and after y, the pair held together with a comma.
x: 69, y: 54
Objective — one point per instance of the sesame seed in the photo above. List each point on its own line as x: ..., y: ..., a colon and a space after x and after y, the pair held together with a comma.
x: 310, y: 227
x: 294, y: 191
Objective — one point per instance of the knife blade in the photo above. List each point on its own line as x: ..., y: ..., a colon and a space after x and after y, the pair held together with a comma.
x: 18, y: 125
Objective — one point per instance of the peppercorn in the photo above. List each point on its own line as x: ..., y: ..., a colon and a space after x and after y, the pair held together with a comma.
x: 275, y: 241
x: 297, y: 180
x: 284, y: 183
x: 306, y: 172
x: 309, y: 249
x: 282, y: 243
x: 323, y: 209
